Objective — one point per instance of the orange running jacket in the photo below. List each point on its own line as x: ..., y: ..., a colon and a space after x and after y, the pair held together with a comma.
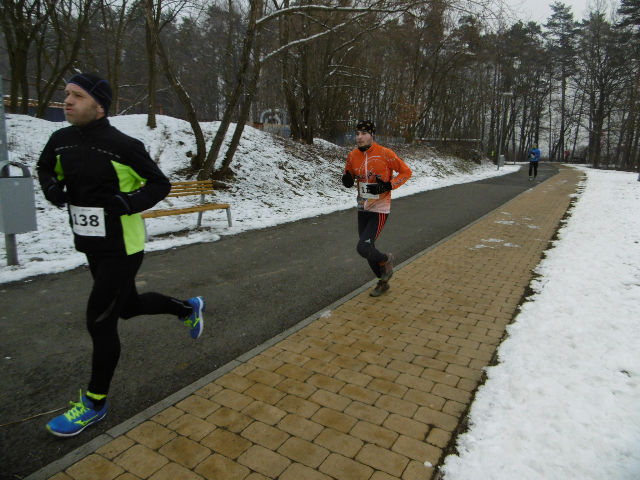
x: 376, y: 162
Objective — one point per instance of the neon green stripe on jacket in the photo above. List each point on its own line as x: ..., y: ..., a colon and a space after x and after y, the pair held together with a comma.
x: 58, y: 168
x: 132, y: 225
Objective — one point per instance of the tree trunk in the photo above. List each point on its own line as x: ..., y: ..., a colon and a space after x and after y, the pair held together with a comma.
x: 181, y: 93
x: 201, y: 149
x: 151, y: 27
x: 207, y: 168
x: 68, y: 45
x: 18, y: 72
x: 225, y: 169
x: 228, y: 55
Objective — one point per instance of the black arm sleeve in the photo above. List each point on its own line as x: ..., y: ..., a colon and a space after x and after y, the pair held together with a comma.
x: 46, y: 167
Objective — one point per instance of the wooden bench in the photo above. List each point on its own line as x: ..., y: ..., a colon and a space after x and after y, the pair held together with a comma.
x: 186, y: 188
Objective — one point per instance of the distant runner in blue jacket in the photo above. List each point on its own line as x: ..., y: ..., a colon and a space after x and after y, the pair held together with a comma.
x: 534, y: 158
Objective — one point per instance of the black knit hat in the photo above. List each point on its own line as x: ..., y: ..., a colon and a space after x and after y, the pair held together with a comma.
x: 366, y: 126
x: 95, y: 86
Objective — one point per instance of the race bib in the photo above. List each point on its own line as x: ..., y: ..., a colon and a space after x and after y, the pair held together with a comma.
x: 363, y: 190
x: 87, y: 221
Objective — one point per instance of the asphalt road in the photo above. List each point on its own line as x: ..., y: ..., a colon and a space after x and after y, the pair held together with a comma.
x: 256, y: 284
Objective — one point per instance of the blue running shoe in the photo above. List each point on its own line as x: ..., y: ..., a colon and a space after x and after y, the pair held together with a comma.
x: 195, y: 321
x: 77, y: 419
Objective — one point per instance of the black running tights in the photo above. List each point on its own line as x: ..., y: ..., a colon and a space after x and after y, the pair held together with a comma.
x: 370, y: 226
x: 533, y: 169
x: 114, y: 295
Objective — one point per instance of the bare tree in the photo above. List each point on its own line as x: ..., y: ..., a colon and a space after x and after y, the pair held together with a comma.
x: 206, y: 170
x: 21, y: 22
x: 116, y: 19
x: 152, y: 16
x: 66, y: 28
x: 630, y: 134
x: 562, y: 36
x: 601, y: 61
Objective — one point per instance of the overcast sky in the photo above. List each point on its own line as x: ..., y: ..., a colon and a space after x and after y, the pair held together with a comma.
x: 540, y: 10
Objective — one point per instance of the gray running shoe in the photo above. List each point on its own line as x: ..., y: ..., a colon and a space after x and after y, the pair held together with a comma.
x: 381, y: 287
x: 387, y: 268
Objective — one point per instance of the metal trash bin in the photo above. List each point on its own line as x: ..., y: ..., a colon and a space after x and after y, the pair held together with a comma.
x: 17, y: 205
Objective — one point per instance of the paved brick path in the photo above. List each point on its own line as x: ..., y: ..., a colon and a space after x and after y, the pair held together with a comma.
x: 372, y: 389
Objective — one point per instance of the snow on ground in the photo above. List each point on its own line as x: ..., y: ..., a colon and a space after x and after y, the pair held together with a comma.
x: 564, y: 400
x: 274, y: 184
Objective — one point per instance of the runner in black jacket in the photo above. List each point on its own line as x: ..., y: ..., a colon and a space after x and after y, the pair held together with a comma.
x: 105, y: 178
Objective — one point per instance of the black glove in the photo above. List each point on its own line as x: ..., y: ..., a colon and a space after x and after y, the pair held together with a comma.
x: 347, y: 180
x: 379, y: 187
x: 56, y: 194
x: 118, y: 205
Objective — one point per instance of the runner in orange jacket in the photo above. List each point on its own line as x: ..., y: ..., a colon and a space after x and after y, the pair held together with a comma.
x: 371, y: 167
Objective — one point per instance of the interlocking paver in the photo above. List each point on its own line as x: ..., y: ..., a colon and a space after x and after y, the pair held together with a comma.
x: 198, y: 406
x: 416, y: 449
x: 343, y: 468
x: 209, y: 390
x: 330, y: 400
x: 296, y: 471
x: 339, y: 442
x: 300, y: 427
x: 217, y: 466
x: 295, y: 387
x: 362, y: 411
x: 325, y: 382
x: 264, y: 412
x: 264, y: 393
x: 230, y: 419
x: 424, y: 399
x: 226, y: 443
x: 141, y: 461
x: 151, y: 435
x: 297, y: 405
x: 396, y: 405
x: 415, y: 382
x: 94, y: 466
x: 353, y: 377
x: 184, y: 451
x: 191, y: 426
x: 371, y: 433
x: 167, y: 416
x: 373, y: 389
x: 417, y: 471
x: 265, y: 376
x: 383, y: 459
x: 173, y: 471
x: 304, y: 452
x: 334, y: 419
x: 264, y: 461
x: 386, y: 387
x: 235, y: 382
x: 438, y: 437
x: 406, y: 426
x: 115, y: 447
x: 265, y: 435
x: 232, y: 399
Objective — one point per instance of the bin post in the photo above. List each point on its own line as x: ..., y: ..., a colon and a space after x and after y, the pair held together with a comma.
x: 9, y: 238
x: 11, y: 248
x: 17, y: 201
x: 4, y: 152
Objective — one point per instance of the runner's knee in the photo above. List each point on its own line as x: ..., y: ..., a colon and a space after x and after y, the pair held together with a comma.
x: 364, y: 249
